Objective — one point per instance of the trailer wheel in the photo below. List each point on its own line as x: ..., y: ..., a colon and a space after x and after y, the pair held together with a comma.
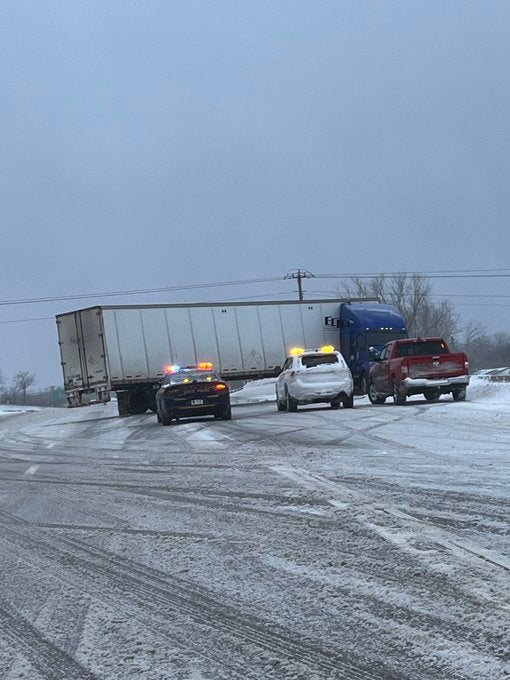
x: 138, y: 401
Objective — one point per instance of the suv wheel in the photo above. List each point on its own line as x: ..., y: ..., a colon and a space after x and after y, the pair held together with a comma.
x: 291, y: 403
x: 348, y: 402
x: 280, y: 405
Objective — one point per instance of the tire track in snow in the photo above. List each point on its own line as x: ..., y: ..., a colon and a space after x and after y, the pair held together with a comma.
x: 49, y: 660
x: 154, y: 590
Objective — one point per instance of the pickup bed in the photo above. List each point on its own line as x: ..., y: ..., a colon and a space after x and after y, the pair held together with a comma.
x: 418, y: 366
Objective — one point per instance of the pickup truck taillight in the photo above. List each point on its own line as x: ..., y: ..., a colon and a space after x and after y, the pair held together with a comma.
x: 404, y: 369
x: 466, y: 365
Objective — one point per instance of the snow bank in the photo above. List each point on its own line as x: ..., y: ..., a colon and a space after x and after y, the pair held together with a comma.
x: 255, y: 391
x: 482, y: 389
x: 8, y: 410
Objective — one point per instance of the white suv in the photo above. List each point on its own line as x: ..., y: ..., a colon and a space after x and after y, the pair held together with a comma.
x: 311, y: 376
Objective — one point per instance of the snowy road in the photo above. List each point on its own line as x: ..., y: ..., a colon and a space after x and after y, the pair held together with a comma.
x: 356, y: 544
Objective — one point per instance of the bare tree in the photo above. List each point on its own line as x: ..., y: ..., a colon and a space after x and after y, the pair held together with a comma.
x: 411, y: 294
x: 22, y: 381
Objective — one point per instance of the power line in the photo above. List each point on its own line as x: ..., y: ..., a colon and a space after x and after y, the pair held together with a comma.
x: 39, y: 318
x: 420, y: 273
x: 136, y: 291
x: 429, y: 276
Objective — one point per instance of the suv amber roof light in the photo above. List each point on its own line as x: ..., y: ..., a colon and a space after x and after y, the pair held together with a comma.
x: 296, y: 350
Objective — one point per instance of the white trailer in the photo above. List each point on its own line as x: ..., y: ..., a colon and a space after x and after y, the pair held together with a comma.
x: 125, y: 348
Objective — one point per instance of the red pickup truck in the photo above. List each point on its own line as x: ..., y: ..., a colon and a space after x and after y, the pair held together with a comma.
x: 418, y: 366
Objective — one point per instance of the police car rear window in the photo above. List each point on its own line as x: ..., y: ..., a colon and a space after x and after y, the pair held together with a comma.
x: 191, y: 376
x: 318, y: 359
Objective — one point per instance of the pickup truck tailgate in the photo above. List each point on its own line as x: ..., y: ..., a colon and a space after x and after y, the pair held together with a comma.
x: 436, y: 366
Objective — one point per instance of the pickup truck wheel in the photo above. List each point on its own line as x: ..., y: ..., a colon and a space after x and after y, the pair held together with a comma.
x: 399, y: 394
x: 164, y: 419
x: 335, y: 403
x: 291, y: 403
x: 432, y: 394
x: 459, y: 394
x: 373, y: 397
x: 280, y: 405
x: 348, y: 402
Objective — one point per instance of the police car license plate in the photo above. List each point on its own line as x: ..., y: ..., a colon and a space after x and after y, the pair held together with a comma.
x: 197, y: 402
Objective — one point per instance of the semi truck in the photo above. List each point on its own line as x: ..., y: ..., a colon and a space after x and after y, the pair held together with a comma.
x: 126, y: 349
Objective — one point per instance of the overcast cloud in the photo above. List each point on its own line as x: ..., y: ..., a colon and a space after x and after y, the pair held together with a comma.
x: 151, y: 143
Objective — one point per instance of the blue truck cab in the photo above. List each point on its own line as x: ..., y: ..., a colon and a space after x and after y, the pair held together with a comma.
x: 364, y: 328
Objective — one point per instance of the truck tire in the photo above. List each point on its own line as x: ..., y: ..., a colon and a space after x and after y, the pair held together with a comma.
x: 138, y: 401
x: 363, y: 383
x: 373, y: 397
x: 335, y: 403
x: 432, y: 394
x: 291, y: 403
x: 122, y: 404
x: 399, y: 394
x: 228, y: 414
x: 348, y: 402
x: 459, y: 394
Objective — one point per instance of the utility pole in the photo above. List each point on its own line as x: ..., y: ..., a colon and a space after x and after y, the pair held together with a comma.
x: 299, y: 274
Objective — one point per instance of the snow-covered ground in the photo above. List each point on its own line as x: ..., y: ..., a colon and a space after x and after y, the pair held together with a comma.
x: 9, y: 410
x: 357, y: 544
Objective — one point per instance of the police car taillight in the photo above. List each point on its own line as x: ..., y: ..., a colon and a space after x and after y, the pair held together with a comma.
x: 220, y: 387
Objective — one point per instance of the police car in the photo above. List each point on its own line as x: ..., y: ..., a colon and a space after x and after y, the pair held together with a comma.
x: 312, y: 376
x: 192, y: 391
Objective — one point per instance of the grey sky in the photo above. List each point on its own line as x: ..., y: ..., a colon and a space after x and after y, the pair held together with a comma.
x: 153, y: 143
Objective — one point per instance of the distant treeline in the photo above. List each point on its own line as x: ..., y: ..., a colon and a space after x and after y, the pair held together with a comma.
x: 485, y: 351
x: 51, y: 396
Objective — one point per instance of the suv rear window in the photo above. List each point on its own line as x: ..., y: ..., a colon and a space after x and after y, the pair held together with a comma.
x: 318, y: 359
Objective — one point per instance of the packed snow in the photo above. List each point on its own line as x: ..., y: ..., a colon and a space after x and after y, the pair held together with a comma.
x: 359, y: 543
